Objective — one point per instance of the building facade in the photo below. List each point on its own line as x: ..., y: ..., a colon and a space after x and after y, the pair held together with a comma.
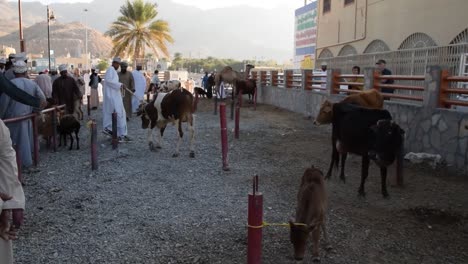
x: 424, y: 31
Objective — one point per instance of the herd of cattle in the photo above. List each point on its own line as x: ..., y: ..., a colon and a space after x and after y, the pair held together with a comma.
x: 360, y: 126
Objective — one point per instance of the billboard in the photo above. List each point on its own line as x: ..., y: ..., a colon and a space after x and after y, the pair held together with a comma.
x: 305, y: 34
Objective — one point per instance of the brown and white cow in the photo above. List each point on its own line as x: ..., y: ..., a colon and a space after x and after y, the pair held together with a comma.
x: 310, y: 214
x: 174, y: 107
x: 369, y: 99
x: 169, y: 86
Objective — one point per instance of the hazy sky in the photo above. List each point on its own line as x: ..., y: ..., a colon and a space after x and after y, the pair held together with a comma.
x: 206, y: 4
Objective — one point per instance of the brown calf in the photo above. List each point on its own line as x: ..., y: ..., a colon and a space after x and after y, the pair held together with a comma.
x: 310, y: 214
x: 369, y: 99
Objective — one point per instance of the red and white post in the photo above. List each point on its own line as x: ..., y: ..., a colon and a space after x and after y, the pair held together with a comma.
x: 255, y: 220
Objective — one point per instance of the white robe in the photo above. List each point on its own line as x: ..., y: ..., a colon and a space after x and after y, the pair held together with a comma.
x: 45, y: 83
x: 140, y: 87
x: 10, y: 185
x: 112, y: 101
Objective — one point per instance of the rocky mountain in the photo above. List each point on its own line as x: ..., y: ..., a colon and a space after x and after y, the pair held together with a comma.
x: 238, y: 32
x: 64, y: 39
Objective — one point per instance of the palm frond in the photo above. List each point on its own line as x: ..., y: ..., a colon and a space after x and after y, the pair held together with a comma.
x: 136, y: 29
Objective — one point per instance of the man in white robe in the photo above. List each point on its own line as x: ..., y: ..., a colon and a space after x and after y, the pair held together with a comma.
x: 140, y: 87
x: 12, y: 199
x: 112, y: 101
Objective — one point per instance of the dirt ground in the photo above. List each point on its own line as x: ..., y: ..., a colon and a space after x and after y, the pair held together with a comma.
x: 147, y: 207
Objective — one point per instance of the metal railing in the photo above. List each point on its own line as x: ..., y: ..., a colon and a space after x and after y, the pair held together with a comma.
x: 446, y: 98
x: 33, y: 118
x: 404, y: 62
x: 407, y: 88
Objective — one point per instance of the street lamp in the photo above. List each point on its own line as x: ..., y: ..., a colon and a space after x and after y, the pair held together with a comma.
x: 50, y: 16
x: 86, y: 38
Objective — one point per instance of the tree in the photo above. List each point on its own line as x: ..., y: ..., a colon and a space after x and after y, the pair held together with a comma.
x: 137, y: 29
x: 102, y: 65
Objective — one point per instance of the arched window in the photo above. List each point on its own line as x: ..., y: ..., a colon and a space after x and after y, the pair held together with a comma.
x: 326, y: 53
x: 460, y: 38
x: 347, y: 50
x: 375, y: 46
x: 417, y: 41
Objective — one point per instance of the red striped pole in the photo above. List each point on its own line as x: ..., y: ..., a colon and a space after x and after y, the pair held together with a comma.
x: 115, y: 141
x: 224, y: 139
x: 255, y: 220
x: 18, y: 163
x: 94, y: 162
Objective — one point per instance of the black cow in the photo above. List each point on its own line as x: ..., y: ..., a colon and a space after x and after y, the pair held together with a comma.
x: 370, y: 133
x: 174, y: 107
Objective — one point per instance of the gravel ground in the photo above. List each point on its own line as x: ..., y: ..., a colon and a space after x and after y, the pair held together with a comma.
x: 147, y: 207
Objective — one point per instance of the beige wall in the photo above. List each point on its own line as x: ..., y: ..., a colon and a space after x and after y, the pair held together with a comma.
x: 391, y: 21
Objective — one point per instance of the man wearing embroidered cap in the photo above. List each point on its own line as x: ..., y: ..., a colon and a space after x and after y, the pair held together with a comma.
x: 21, y: 132
x: 66, y: 91
x: 9, y: 74
x: 112, y: 101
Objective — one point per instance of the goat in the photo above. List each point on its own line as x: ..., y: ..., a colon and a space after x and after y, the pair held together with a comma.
x: 67, y: 125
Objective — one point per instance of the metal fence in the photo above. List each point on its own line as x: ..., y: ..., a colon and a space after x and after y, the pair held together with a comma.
x: 404, y: 62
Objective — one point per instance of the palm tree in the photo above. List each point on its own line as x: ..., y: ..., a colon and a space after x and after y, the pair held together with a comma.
x: 136, y: 29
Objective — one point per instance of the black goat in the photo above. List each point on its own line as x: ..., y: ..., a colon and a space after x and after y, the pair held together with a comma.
x: 67, y: 125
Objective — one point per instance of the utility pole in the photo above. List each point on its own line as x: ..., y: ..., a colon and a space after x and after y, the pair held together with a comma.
x: 22, y: 46
x: 86, y: 38
x: 50, y: 16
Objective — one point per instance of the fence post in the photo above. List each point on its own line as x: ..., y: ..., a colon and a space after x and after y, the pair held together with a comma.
x: 54, y: 128
x: 444, y: 85
x: 237, y: 118
x: 369, y: 78
x: 35, y: 141
x: 115, y: 141
x: 88, y: 106
x: 332, y: 79
x: 433, y: 92
x: 255, y: 220
x: 94, y: 162
x: 274, y: 78
x: 307, y: 79
x: 224, y: 139
x: 288, y: 78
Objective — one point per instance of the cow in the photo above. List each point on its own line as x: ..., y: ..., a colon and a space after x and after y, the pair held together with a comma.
x: 174, y: 107
x: 370, y: 99
x: 310, y: 214
x: 168, y: 86
x: 369, y: 133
